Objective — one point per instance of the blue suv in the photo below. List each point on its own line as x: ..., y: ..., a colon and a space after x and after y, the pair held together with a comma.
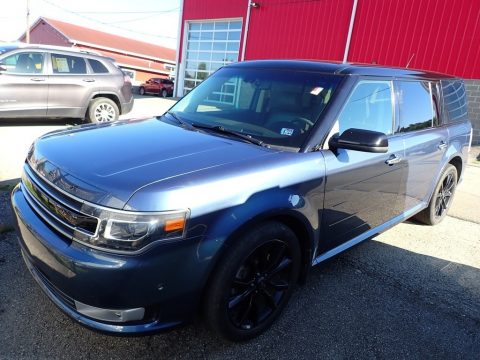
x: 223, y: 204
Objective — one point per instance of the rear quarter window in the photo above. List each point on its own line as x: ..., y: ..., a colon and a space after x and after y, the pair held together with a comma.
x: 98, y: 67
x: 454, y: 100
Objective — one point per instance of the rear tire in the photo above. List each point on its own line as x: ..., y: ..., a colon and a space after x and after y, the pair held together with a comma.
x: 102, y: 110
x: 164, y: 93
x: 141, y: 91
x: 253, y: 282
x: 441, y: 199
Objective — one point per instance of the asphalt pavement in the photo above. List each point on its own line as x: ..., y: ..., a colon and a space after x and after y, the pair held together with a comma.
x: 412, y: 292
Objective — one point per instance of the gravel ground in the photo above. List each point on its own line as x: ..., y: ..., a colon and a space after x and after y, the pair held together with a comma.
x: 413, y: 292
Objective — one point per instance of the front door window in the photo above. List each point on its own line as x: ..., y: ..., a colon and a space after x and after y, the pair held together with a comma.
x: 24, y: 63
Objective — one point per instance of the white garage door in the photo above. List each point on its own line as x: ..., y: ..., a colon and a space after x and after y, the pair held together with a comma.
x: 209, y: 45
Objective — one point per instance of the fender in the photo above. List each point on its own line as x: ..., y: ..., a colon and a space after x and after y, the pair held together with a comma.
x: 284, y: 205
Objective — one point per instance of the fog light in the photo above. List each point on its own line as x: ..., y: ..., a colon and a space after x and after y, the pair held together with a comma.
x: 113, y: 315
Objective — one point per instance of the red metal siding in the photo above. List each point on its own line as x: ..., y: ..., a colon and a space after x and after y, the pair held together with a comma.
x: 214, y: 9
x: 437, y: 35
x: 444, y: 35
x: 298, y: 29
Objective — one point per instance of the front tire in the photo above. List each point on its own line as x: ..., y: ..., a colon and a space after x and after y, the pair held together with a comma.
x: 141, y: 91
x: 164, y: 93
x: 441, y: 199
x: 102, y: 110
x: 253, y: 282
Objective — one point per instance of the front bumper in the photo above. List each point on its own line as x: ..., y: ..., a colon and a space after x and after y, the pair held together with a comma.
x: 70, y: 273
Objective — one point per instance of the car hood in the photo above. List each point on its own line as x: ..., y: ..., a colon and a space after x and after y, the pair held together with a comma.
x: 107, y: 164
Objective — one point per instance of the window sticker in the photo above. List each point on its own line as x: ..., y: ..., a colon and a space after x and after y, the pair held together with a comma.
x: 286, y: 131
x: 62, y: 65
x: 316, y: 90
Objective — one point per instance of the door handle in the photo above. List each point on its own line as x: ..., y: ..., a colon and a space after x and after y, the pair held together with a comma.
x: 89, y: 80
x: 37, y: 79
x: 394, y: 159
x: 442, y: 145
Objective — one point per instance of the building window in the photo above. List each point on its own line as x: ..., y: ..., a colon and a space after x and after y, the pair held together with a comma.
x: 169, y: 67
x: 209, y: 46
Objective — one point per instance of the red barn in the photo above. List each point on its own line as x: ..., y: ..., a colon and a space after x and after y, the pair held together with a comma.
x: 435, y: 35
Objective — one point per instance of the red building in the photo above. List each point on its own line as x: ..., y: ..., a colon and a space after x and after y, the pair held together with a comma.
x: 435, y: 35
x: 140, y: 60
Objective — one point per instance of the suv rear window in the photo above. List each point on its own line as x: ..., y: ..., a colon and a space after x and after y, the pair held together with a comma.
x: 98, y: 67
x: 67, y: 64
x: 454, y: 100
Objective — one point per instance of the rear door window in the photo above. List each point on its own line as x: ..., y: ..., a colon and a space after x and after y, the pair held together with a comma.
x: 369, y: 107
x: 67, y: 64
x: 415, y: 106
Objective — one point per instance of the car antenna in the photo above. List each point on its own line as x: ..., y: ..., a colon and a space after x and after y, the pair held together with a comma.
x: 409, y: 61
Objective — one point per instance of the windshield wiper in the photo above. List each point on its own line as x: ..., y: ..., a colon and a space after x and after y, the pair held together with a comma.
x: 217, y: 129
x: 182, y: 122
x: 221, y: 130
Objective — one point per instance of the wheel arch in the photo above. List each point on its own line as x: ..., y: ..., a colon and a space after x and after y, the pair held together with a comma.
x: 455, y: 160
x: 458, y: 163
x: 296, y: 221
x: 110, y: 96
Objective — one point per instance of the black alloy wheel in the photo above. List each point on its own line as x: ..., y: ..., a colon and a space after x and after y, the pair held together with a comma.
x: 254, y: 282
x: 441, y: 199
x: 260, y: 284
x: 444, y: 195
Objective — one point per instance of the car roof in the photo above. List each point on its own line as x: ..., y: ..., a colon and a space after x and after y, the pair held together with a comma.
x: 338, y: 68
x: 6, y: 47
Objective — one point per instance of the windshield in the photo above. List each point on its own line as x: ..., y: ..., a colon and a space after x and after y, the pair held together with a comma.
x: 277, y: 107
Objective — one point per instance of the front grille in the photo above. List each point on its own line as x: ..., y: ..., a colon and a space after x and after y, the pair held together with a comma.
x: 54, y: 210
x: 67, y: 300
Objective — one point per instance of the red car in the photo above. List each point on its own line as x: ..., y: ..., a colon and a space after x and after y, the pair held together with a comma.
x: 157, y: 86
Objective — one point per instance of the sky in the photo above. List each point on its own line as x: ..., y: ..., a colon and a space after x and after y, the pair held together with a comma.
x: 153, y: 21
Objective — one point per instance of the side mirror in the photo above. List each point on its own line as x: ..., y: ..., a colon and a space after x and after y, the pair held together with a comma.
x: 360, y: 140
x: 2, y: 67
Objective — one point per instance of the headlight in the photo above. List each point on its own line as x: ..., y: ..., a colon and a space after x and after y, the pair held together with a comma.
x: 129, y: 231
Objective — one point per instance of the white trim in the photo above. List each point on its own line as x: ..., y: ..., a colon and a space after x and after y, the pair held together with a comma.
x: 177, y: 56
x: 245, y: 31
x: 350, y: 30
x: 180, y: 79
x: 143, y: 68
x: 215, y: 20
x: 120, y: 51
